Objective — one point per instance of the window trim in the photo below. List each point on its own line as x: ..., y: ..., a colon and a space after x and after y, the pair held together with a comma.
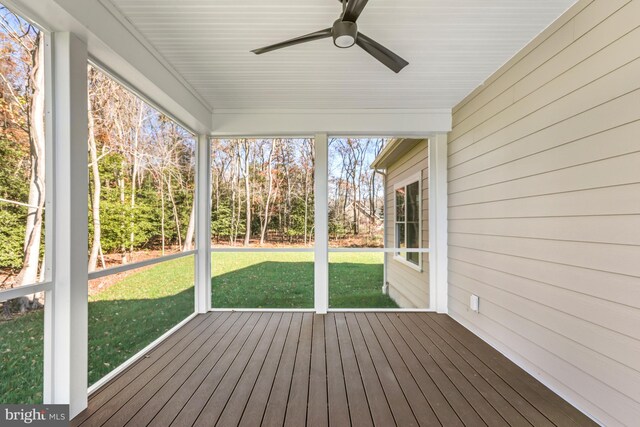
x: 416, y: 177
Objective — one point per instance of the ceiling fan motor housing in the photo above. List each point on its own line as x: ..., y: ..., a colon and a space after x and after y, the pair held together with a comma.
x: 344, y: 33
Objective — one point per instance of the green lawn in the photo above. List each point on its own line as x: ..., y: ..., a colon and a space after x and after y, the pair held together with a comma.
x: 122, y: 320
x: 285, y: 280
x: 135, y: 311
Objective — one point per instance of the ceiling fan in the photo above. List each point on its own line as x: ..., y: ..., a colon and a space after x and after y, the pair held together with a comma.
x: 345, y: 34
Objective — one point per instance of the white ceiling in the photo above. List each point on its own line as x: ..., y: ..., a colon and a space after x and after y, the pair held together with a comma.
x: 452, y: 47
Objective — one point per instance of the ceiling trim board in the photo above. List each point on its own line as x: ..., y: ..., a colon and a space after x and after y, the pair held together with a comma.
x: 341, y: 122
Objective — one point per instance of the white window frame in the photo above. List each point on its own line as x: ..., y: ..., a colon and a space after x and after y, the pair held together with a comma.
x: 416, y: 177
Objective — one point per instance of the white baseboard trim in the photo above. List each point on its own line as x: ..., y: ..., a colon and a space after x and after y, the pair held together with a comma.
x: 531, y: 368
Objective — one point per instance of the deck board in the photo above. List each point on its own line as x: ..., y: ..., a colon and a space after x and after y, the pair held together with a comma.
x: 296, y: 414
x: 256, y: 405
x: 436, y: 400
x: 296, y: 369
x: 336, y: 390
x: 199, y: 398
x: 172, y: 406
x: 277, y: 404
x: 150, y: 399
x: 359, y: 410
x: 240, y: 373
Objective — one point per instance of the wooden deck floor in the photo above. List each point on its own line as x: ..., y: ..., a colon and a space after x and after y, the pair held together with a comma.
x: 340, y: 369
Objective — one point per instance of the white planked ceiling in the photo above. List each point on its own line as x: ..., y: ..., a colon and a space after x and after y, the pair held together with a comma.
x: 452, y: 47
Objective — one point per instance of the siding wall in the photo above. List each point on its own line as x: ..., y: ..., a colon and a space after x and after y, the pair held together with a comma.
x: 544, y: 209
x: 408, y: 286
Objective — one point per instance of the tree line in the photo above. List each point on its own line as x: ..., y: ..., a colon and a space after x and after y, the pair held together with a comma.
x: 269, y: 185
x: 141, y: 175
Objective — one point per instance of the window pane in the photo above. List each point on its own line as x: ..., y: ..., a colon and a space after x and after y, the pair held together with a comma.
x: 413, y: 202
x: 400, y: 205
x: 413, y: 257
x: 141, y: 178
x: 262, y: 279
x: 21, y: 350
x: 356, y: 193
x: 413, y: 235
x: 400, y: 236
x: 128, y: 311
x: 262, y: 192
x: 356, y: 281
x: 22, y: 152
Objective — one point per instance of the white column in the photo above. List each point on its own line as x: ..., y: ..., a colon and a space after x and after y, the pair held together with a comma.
x: 321, y: 265
x: 438, y: 226
x: 66, y: 379
x: 203, y: 225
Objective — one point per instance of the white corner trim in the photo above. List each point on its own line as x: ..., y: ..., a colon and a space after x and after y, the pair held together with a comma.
x: 438, y: 224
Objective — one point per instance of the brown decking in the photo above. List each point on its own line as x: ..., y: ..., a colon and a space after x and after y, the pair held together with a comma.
x: 293, y: 369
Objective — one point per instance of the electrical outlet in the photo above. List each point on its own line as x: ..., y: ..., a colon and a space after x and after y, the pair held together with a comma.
x: 474, y: 303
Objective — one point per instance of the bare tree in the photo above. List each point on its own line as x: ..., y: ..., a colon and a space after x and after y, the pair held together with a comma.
x: 247, y: 190
x: 33, y: 232
x: 97, y: 186
x: 188, y: 239
x: 265, y: 220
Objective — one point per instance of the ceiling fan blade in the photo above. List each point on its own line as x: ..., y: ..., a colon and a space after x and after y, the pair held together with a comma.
x: 353, y: 10
x: 322, y: 34
x: 381, y: 53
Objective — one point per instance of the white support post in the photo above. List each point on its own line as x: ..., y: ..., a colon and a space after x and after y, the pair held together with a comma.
x: 321, y: 265
x: 203, y: 225
x: 438, y: 227
x: 66, y: 376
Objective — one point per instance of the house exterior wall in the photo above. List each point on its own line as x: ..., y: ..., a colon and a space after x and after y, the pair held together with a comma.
x: 544, y: 209
x: 408, y: 286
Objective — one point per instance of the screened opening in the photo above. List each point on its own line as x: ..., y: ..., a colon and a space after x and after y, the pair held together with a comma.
x: 141, y: 210
x: 262, y: 222
x: 23, y: 196
x: 378, y: 223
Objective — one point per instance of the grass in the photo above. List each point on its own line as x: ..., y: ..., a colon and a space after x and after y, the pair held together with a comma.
x: 132, y: 313
x: 21, y: 370
x: 123, y: 319
x: 285, y: 280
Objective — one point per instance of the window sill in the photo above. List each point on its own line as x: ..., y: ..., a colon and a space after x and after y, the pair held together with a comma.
x: 403, y: 261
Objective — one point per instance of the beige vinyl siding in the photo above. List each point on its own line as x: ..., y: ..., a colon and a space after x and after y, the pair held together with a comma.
x: 544, y: 209
x: 408, y: 286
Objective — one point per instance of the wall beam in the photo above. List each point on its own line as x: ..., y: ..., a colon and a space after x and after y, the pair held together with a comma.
x: 67, y: 352
x: 203, y: 225
x: 321, y: 264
